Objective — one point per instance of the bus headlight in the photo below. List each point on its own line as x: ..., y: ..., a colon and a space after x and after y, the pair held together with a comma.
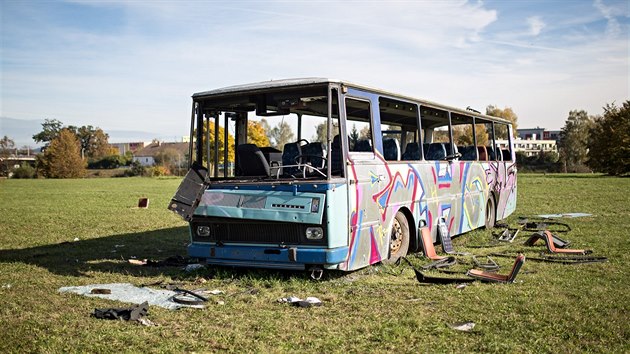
x: 203, y: 231
x: 314, y: 233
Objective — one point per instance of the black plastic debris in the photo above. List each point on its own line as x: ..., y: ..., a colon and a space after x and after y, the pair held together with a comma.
x: 133, y: 313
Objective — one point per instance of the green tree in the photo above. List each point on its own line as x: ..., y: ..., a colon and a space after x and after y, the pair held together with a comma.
x: 94, y: 141
x: 320, y: 132
x: 62, y: 157
x: 282, y: 134
x: 6, y: 146
x: 609, y: 141
x: 50, y: 130
x: 354, y: 135
x: 256, y: 134
x: 573, y: 144
x: 505, y: 113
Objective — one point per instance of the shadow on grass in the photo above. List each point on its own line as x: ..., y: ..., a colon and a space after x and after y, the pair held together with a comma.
x: 110, y: 254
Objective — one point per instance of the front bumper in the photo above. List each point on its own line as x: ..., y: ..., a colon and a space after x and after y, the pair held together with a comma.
x: 268, y: 256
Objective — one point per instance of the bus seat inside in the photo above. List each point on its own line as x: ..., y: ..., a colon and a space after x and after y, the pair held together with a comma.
x: 469, y: 153
x: 289, y: 153
x: 491, y: 154
x: 363, y: 145
x: 314, y: 154
x: 412, y: 152
x: 482, y: 153
x: 506, y: 154
x: 391, y: 150
x: 336, y: 156
x: 251, y: 160
x: 450, y: 151
x: 434, y: 151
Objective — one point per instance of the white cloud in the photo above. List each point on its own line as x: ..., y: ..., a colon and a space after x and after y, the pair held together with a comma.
x: 613, y: 28
x: 536, y: 25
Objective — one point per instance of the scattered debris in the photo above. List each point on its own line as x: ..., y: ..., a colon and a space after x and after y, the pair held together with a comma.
x: 499, y: 278
x: 173, y: 261
x: 133, y: 313
x: 119, y: 246
x: 565, y: 215
x: 126, y: 292
x: 76, y: 239
x: 296, y: 301
x: 461, y: 286
x: 143, y: 203
x: 100, y: 291
x: 193, y: 267
x: 463, y: 326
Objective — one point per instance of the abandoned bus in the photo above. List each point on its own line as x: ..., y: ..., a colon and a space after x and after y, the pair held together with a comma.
x: 365, y: 170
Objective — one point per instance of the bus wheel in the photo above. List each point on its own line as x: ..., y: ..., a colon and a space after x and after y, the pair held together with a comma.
x: 399, y: 243
x: 491, y: 214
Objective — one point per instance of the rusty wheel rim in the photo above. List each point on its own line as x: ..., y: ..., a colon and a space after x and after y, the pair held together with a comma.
x: 397, y: 236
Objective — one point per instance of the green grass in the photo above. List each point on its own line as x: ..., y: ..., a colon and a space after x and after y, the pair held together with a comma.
x: 551, y: 308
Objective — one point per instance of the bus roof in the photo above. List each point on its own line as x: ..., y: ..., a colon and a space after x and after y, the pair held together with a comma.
x: 320, y: 81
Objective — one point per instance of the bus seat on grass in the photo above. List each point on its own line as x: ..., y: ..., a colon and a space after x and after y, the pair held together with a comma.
x: 251, y: 160
x: 482, y: 153
x: 499, y: 278
x: 550, y: 242
x: 434, y: 151
x: 469, y: 153
x: 391, y: 150
x: 412, y: 152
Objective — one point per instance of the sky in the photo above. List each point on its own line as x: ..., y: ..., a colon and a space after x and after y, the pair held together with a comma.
x: 133, y: 65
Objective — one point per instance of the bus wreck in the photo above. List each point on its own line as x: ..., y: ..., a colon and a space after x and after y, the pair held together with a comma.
x: 367, y: 170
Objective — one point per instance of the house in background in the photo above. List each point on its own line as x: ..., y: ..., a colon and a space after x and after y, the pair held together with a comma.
x: 124, y: 147
x: 147, y: 155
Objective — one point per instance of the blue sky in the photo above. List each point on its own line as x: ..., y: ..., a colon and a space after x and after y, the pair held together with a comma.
x: 134, y: 65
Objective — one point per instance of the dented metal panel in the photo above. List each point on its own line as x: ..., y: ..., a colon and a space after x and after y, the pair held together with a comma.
x: 299, y: 207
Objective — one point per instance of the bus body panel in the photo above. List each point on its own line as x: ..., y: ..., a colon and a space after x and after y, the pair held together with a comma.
x: 263, y: 222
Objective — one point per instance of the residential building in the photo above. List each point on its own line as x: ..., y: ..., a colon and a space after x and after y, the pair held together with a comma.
x: 146, y: 156
x: 124, y: 147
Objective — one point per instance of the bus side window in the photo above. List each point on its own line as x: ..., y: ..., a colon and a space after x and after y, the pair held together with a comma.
x: 359, y: 125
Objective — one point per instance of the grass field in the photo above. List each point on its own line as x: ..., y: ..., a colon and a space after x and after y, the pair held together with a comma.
x: 551, y: 307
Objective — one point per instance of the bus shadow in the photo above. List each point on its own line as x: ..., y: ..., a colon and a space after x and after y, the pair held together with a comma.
x: 110, y: 254
x: 104, y: 254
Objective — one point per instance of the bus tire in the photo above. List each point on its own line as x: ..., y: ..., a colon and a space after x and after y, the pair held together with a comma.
x: 491, y: 213
x: 399, y: 238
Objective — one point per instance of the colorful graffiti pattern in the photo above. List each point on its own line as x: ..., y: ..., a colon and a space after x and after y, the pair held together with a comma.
x: 456, y: 192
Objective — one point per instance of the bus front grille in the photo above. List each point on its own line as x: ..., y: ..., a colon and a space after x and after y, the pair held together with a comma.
x: 250, y: 231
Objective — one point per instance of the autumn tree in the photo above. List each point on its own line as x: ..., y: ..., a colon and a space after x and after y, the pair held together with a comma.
x: 506, y: 113
x: 62, y: 157
x: 574, y: 137
x: 94, y: 141
x: 463, y: 135
x: 208, y: 127
x: 609, y: 141
x: 256, y: 134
